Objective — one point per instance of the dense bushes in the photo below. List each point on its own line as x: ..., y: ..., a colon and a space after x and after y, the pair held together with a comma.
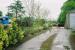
x: 62, y: 18
x: 25, y: 22
x: 10, y: 36
x: 3, y: 38
x: 14, y: 33
x: 30, y: 25
x: 32, y: 31
x: 1, y: 13
x: 20, y: 27
x: 66, y: 8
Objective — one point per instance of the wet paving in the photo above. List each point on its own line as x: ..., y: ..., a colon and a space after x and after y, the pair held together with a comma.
x: 36, y: 42
x: 61, y: 42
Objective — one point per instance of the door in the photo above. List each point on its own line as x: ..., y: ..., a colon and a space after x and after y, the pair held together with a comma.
x: 72, y: 20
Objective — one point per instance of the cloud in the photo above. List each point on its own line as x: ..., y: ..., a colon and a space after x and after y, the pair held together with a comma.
x: 4, y: 5
x: 54, y: 6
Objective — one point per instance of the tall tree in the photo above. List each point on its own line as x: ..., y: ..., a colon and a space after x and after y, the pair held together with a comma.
x: 66, y: 8
x: 35, y: 9
x: 17, y: 8
x: 9, y: 14
x: 0, y: 13
x: 30, y: 7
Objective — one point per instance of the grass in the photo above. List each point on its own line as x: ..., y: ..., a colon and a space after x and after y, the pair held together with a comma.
x: 47, y: 45
x: 72, y: 40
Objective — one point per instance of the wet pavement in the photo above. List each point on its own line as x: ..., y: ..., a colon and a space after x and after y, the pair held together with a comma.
x: 36, y: 42
x: 61, y: 42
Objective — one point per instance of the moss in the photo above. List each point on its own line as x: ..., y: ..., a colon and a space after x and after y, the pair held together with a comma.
x: 47, y: 45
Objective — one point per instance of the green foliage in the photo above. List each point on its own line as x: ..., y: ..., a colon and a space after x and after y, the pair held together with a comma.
x: 39, y: 22
x: 17, y: 8
x: 10, y: 15
x: 25, y: 22
x: 62, y: 18
x: 4, y: 41
x: 28, y: 21
x: 23, y: 27
x: 10, y: 36
x: 15, y: 34
x: 1, y: 45
x: 1, y: 13
x: 36, y: 26
x: 67, y: 7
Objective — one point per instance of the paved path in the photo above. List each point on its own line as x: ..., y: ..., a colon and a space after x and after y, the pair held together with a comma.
x: 61, y: 42
x: 36, y: 42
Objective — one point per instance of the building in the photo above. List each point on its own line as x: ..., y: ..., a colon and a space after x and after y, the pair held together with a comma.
x: 70, y: 20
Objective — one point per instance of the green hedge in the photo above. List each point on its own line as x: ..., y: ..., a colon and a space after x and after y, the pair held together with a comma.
x: 66, y: 8
x: 10, y: 36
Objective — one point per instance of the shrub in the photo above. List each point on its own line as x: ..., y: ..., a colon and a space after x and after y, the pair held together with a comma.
x: 25, y: 22
x: 15, y: 34
x: 10, y: 36
x: 1, y: 13
x: 4, y: 41
x: 38, y: 22
x: 66, y: 8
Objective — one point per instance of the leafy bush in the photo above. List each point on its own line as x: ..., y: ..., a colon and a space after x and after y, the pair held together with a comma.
x: 32, y: 30
x: 4, y: 41
x: 66, y: 8
x: 25, y: 22
x: 1, y: 13
x: 62, y: 18
x: 10, y: 36
x: 45, y: 26
x: 14, y: 33
x: 1, y: 45
x: 10, y: 15
x: 38, y: 22
x: 38, y: 25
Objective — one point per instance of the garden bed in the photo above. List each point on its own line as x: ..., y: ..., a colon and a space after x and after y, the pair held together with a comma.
x: 26, y: 39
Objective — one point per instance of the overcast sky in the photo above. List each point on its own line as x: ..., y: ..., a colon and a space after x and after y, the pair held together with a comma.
x: 53, y: 6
